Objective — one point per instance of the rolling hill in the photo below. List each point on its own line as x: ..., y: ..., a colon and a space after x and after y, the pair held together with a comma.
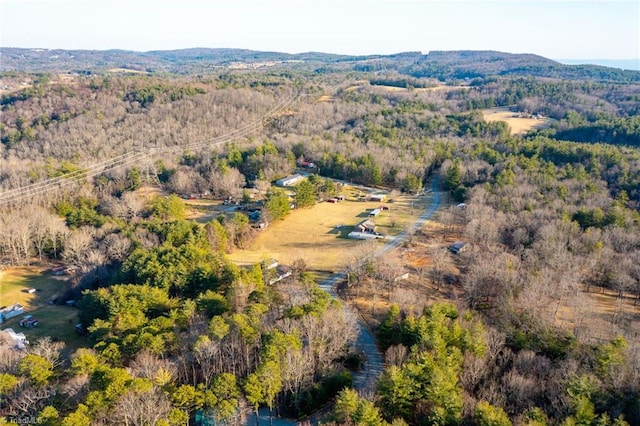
x: 444, y: 65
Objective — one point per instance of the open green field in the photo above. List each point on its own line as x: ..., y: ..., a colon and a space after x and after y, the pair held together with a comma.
x: 57, y: 322
x: 318, y: 235
x: 14, y: 283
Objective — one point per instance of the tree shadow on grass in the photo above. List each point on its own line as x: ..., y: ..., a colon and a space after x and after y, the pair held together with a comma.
x: 341, y: 231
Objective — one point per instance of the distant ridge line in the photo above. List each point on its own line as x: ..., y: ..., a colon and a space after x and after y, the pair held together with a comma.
x: 624, y: 64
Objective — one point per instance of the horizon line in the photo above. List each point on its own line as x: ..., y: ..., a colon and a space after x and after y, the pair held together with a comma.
x: 422, y: 52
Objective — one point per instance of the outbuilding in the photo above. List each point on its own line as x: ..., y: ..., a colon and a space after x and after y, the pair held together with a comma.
x: 289, y: 180
x: 11, y: 311
x: 366, y: 226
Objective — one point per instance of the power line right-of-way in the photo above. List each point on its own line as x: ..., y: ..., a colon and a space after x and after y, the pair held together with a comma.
x: 129, y: 158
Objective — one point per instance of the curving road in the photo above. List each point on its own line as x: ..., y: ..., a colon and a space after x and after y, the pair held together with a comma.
x: 365, y: 380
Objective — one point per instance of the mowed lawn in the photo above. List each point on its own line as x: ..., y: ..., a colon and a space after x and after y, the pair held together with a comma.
x: 57, y: 322
x: 318, y: 234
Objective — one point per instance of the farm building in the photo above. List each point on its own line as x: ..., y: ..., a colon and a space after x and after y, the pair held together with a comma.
x: 11, y: 311
x: 289, y: 180
x: 377, y: 197
x: 366, y: 226
x: 13, y: 339
x: 374, y: 212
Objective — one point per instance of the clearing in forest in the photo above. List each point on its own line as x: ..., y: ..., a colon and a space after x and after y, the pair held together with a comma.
x: 519, y: 123
x: 438, y: 88
x: 55, y: 321
x: 318, y: 234
x: 126, y: 71
x: 433, y: 274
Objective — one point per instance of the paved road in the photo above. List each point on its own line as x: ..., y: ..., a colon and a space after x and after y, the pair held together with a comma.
x: 365, y: 380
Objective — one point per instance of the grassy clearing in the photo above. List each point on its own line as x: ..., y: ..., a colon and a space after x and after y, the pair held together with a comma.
x: 57, y: 322
x: 438, y: 88
x: 126, y: 71
x: 600, y: 315
x: 325, y: 98
x: 148, y: 193
x: 203, y: 210
x: 518, y: 125
x: 319, y: 234
x: 14, y: 283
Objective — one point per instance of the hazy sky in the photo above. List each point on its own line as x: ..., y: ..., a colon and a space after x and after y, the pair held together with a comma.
x: 570, y: 29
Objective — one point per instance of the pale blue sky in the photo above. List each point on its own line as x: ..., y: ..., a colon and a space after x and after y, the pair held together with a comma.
x: 569, y: 29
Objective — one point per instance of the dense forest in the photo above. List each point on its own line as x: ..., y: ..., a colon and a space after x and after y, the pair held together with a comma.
x: 171, y: 327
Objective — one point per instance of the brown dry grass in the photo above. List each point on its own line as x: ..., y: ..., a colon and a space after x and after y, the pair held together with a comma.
x: 598, y: 317
x: 126, y: 71
x: 149, y: 192
x: 442, y: 88
x: 518, y: 125
x: 14, y: 88
x: 412, y: 294
x: 438, y: 88
x: 325, y: 98
x: 314, y: 234
x: 418, y: 290
x: 15, y: 281
x: 67, y: 78
x: 601, y: 316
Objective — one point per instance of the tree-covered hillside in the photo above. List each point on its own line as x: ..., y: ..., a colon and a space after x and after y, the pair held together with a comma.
x: 537, y: 324
x: 441, y: 65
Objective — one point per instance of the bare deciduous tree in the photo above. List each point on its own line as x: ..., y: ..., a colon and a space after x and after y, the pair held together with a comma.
x: 136, y: 408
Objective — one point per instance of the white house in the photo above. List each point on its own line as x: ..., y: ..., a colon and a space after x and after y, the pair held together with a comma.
x: 289, y: 180
x: 11, y: 311
x: 355, y: 235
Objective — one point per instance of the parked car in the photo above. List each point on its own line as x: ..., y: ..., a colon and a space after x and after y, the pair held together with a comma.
x: 457, y: 247
x: 29, y: 321
x: 81, y: 330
